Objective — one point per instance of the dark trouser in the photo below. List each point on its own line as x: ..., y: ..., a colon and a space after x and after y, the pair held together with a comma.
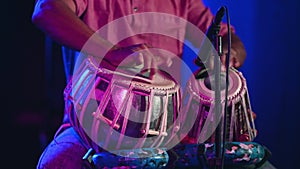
x: 67, y: 150
x: 64, y: 152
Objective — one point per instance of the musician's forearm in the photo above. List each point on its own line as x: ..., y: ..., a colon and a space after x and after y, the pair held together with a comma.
x: 59, y: 21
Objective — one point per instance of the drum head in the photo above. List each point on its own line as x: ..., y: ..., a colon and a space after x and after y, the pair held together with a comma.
x: 204, y: 87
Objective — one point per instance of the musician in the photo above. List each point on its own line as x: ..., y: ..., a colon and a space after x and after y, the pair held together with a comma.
x: 72, y: 23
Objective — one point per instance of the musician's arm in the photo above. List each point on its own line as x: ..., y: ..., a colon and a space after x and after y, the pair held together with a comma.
x: 201, y: 16
x: 58, y: 19
x: 237, y: 52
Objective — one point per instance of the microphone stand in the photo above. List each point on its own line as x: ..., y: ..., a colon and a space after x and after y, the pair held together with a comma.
x: 218, y: 105
x: 216, y: 40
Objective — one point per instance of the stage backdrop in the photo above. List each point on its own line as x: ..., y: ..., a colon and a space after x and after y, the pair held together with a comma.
x: 269, y: 30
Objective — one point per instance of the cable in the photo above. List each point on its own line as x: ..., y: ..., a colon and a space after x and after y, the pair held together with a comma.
x: 227, y: 84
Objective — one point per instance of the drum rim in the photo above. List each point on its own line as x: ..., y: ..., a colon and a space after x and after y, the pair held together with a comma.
x: 206, y: 95
x: 138, y: 82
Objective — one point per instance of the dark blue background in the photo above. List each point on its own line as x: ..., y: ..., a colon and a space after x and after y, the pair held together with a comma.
x: 269, y: 29
x: 32, y: 86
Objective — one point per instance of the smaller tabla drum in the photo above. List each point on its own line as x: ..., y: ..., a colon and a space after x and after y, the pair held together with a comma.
x: 115, y: 110
x: 199, y: 98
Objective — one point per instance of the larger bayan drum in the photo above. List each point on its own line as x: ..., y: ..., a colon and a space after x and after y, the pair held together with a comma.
x: 118, y: 110
x: 199, y: 98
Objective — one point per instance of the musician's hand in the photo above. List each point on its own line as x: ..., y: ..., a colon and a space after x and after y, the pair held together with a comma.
x: 125, y: 56
x: 140, y: 56
x: 237, y: 52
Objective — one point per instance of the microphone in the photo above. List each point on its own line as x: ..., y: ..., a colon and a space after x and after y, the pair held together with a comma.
x: 211, y: 34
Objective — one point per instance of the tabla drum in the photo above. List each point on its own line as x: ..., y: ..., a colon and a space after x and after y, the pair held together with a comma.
x: 199, y: 98
x: 115, y: 110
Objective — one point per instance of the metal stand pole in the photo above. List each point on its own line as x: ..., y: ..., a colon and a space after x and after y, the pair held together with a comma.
x: 218, y: 105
